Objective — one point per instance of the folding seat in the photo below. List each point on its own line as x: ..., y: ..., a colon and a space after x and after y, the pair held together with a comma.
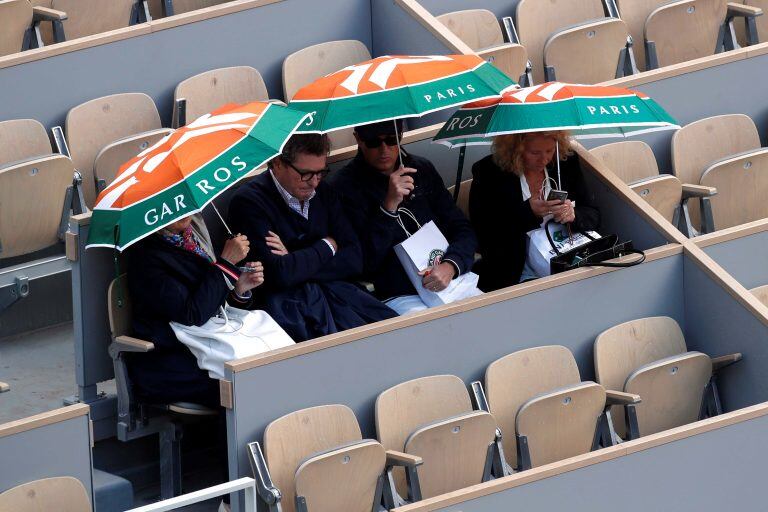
x: 163, y: 8
x: 134, y: 418
x: 21, y: 139
x: 463, y: 200
x: 316, y: 460
x: 635, y: 163
x: 481, y: 31
x: 573, y: 41
x: 15, y: 26
x: 305, y: 66
x: 80, y: 19
x: 432, y: 418
x: 94, y: 125
x: 545, y: 412
x: 699, y: 144
x: 760, y: 23
x: 649, y: 357
x: 61, y: 493
x: 668, y: 32
x: 761, y: 292
x: 208, y: 91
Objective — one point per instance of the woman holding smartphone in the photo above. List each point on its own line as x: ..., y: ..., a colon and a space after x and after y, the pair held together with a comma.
x: 516, y: 190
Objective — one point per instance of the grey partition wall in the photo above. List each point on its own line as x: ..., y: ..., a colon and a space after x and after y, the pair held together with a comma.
x: 500, y: 8
x: 744, y: 257
x: 56, y: 443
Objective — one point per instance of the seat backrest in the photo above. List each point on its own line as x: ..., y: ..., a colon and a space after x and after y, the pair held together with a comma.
x: 15, y: 19
x: 21, y: 139
x: 478, y: 28
x: 82, y: 20
x: 626, y: 347
x: 537, y: 20
x: 761, y: 292
x: 634, y: 13
x: 516, y: 378
x: 210, y: 90
x: 180, y: 6
x: 741, y: 182
x: 304, y: 66
x: 114, y: 155
x: 629, y: 160
x: 561, y: 423
x: 463, y: 199
x: 94, y: 124
x: 587, y: 53
x: 62, y: 494
x: 671, y: 389
x: 454, y: 452
x: 685, y: 30
x: 697, y: 145
x: 663, y: 193
x: 296, y: 436
x: 31, y: 203
x: 342, y: 479
x: 119, y: 307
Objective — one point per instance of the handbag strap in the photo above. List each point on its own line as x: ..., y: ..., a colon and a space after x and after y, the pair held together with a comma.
x: 410, y: 214
x: 625, y: 264
x: 552, y: 242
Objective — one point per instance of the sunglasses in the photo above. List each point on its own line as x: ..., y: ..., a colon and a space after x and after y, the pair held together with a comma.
x: 308, y: 175
x: 375, y: 142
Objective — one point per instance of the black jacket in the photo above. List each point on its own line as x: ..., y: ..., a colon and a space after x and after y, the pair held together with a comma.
x: 168, y: 284
x: 363, y: 190
x: 502, y: 219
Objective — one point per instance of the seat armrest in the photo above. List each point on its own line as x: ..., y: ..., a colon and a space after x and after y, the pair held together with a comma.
x: 267, y: 490
x: 747, y: 11
x: 395, y: 458
x: 718, y: 363
x: 621, y: 398
x: 4, y: 387
x: 690, y: 190
x: 47, y: 14
x: 129, y: 344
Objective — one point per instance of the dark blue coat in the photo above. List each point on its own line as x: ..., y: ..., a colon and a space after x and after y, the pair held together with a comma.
x: 305, y: 291
x: 363, y: 190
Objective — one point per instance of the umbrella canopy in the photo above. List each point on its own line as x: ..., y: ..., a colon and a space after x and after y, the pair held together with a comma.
x: 187, y: 169
x: 393, y: 87
x: 590, y: 111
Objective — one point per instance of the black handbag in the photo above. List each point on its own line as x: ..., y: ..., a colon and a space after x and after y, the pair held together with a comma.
x: 593, y: 254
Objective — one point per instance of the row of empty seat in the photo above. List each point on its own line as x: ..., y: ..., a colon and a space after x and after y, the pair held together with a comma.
x: 591, y: 41
x: 537, y: 411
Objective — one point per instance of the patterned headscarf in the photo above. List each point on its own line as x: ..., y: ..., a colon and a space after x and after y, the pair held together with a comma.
x: 188, y: 241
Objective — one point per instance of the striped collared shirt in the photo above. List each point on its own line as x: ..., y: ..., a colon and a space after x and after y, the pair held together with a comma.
x: 293, y: 203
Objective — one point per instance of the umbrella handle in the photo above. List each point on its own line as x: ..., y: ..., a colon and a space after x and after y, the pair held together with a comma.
x: 459, y: 173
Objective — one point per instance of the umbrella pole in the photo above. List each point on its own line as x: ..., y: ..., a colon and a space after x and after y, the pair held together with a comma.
x: 459, y: 173
x: 229, y: 231
x: 397, y: 137
x: 557, y: 151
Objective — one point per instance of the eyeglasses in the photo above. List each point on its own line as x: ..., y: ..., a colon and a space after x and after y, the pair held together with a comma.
x: 308, y: 175
x: 375, y: 142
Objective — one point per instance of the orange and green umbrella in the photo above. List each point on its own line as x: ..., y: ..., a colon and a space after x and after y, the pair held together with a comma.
x: 589, y: 111
x: 393, y: 87
x: 186, y: 170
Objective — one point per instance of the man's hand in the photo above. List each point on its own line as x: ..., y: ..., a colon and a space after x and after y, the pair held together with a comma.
x: 236, y: 249
x: 437, y: 279
x: 250, y: 280
x: 564, y: 213
x: 333, y: 243
x: 400, y: 185
x: 542, y: 208
x: 275, y: 244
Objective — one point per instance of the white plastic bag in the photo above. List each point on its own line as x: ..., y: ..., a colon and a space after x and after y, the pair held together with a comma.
x: 235, y: 333
x: 540, y: 251
x: 418, y: 252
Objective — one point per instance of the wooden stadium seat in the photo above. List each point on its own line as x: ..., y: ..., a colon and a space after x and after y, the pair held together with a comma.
x: 32, y: 197
x: 664, y: 193
x: 761, y: 292
x: 319, y: 461
x: 463, y: 199
x: 538, y: 20
x: 208, y: 91
x: 95, y: 124
x: 304, y: 66
x: 432, y: 418
x: 742, y: 184
x: 587, y: 53
x: 158, y: 8
x: 114, y: 155
x: 62, y: 494
x: 649, y: 355
x: 697, y: 145
x: 480, y: 30
x: 527, y: 392
x: 629, y: 160
x: 21, y: 139
x: 15, y: 26
x: 761, y: 21
x: 82, y: 22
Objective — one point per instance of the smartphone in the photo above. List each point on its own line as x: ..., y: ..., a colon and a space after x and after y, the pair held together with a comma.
x: 557, y: 195
x: 247, y: 269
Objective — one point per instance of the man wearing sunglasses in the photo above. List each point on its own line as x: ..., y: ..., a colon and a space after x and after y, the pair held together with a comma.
x: 298, y: 230
x: 385, y: 202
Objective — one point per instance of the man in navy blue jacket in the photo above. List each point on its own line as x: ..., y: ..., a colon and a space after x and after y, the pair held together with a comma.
x: 298, y: 230
x: 386, y: 202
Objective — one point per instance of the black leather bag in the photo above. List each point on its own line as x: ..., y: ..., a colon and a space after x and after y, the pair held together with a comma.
x: 593, y: 254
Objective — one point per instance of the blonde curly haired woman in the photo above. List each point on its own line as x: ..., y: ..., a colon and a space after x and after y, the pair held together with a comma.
x: 509, y: 198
